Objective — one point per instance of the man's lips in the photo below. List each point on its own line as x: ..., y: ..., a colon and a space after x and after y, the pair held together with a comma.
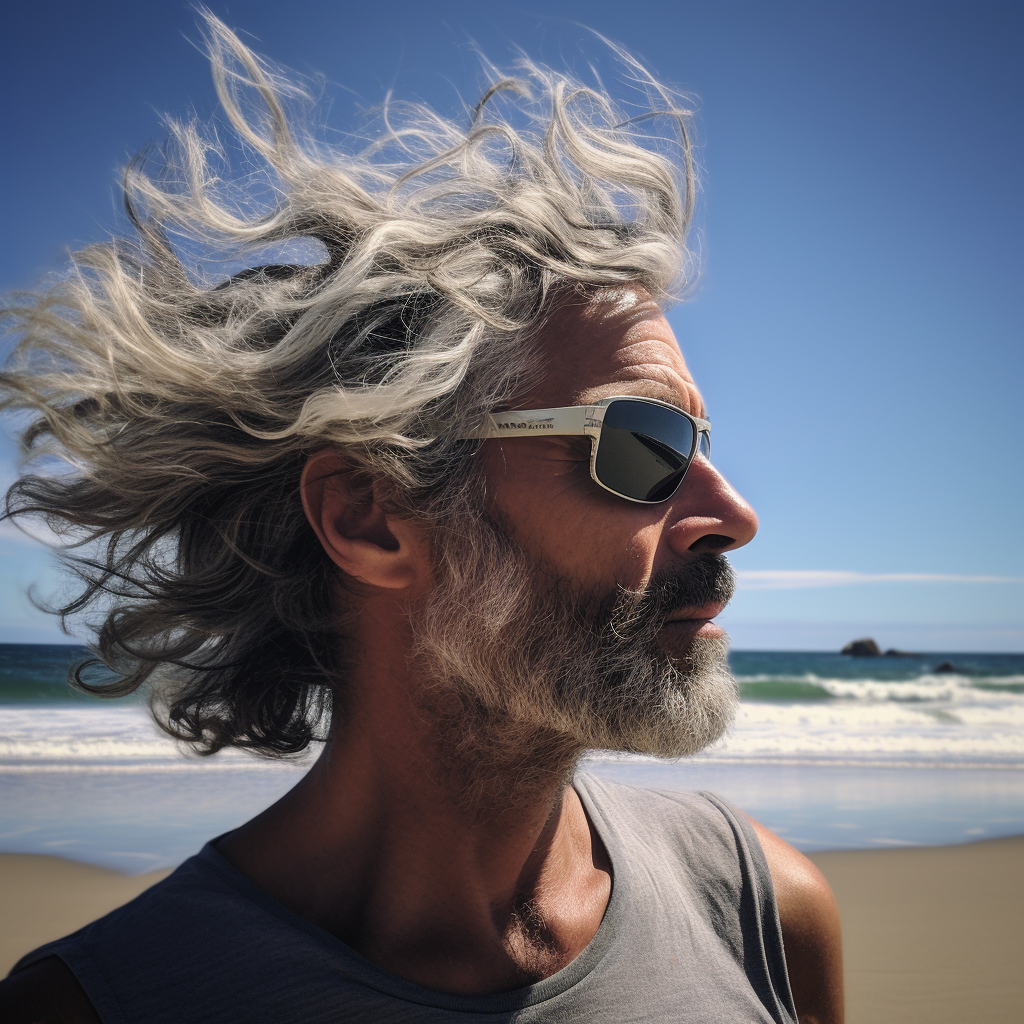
x: 684, y: 625
x: 701, y: 614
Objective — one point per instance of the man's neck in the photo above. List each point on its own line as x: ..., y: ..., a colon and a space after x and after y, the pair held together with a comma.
x: 460, y: 868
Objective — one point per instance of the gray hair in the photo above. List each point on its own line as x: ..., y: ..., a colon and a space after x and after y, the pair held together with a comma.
x: 185, y: 406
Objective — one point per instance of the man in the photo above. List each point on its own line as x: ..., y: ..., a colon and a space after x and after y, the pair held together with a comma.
x: 443, y: 492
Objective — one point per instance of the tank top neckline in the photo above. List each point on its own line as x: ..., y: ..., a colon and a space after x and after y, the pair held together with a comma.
x: 364, y: 972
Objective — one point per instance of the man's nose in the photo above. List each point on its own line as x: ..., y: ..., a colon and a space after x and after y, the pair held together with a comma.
x: 709, y: 515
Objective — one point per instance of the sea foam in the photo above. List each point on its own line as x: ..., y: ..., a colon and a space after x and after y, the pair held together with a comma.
x: 864, y: 723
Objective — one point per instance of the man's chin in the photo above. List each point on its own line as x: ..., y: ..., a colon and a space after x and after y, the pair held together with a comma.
x: 691, y: 707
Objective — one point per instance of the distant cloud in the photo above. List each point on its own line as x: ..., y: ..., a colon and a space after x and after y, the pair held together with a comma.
x: 803, y: 579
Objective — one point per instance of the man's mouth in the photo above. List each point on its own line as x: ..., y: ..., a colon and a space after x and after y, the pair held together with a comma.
x: 705, y: 612
x: 685, y: 625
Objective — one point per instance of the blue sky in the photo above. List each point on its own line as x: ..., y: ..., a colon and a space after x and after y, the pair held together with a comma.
x: 859, y: 326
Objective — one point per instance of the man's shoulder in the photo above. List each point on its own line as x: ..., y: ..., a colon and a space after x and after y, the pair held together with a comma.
x: 66, y: 980
x: 811, y: 932
x: 798, y: 883
x: 117, y: 922
x: 46, y: 992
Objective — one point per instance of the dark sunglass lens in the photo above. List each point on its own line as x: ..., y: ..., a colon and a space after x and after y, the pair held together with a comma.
x: 704, y: 444
x: 644, y: 450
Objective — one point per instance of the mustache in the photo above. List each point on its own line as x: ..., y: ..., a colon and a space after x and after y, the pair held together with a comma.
x: 708, y: 579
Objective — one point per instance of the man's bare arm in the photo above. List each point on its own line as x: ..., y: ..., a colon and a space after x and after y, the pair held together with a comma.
x: 45, y: 993
x: 810, y: 931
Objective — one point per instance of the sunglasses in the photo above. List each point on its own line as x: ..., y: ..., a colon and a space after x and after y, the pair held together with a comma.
x: 640, y: 450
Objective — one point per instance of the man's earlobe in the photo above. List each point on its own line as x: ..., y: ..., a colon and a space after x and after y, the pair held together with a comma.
x: 343, y: 505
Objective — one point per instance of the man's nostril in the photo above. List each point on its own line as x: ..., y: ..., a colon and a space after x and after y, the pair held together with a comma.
x: 711, y: 542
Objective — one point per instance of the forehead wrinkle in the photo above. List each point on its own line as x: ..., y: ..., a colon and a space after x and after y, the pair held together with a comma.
x: 603, y: 348
x: 647, y: 351
x: 650, y: 349
x: 650, y: 380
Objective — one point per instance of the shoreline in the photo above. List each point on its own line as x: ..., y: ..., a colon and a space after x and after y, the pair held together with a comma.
x: 135, y: 822
x: 931, y: 933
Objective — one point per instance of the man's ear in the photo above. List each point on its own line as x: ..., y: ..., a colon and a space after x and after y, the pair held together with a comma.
x: 343, y: 506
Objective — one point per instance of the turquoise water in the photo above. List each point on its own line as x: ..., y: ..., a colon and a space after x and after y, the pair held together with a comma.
x: 37, y: 673
x: 808, y: 675
x: 829, y: 751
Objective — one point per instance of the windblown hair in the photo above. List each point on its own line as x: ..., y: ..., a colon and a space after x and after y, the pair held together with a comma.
x: 184, y: 402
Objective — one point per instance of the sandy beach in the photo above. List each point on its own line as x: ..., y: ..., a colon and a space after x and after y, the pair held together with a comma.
x: 931, y: 934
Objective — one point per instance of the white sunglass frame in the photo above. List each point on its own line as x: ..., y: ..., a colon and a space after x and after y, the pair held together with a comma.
x: 587, y: 420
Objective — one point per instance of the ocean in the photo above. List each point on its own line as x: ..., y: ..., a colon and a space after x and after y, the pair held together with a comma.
x: 831, y: 752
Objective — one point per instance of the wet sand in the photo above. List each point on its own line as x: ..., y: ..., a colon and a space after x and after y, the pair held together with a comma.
x: 931, y: 934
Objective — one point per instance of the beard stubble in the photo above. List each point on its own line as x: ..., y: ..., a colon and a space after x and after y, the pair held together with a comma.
x: 526, y: 671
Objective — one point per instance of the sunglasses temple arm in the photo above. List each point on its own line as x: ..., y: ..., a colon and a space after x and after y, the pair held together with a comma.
x: 571, y: 421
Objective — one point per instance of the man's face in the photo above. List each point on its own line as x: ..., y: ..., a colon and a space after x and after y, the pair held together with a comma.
x: 565, y: 609
x: 620, y: 344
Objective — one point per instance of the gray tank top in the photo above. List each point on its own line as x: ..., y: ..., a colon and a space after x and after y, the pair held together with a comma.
x: 691, y: 934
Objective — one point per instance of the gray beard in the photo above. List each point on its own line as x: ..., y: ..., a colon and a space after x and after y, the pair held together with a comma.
x: 524, y: 667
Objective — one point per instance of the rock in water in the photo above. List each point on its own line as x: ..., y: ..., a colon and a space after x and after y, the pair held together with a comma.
x: 866, y: 648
